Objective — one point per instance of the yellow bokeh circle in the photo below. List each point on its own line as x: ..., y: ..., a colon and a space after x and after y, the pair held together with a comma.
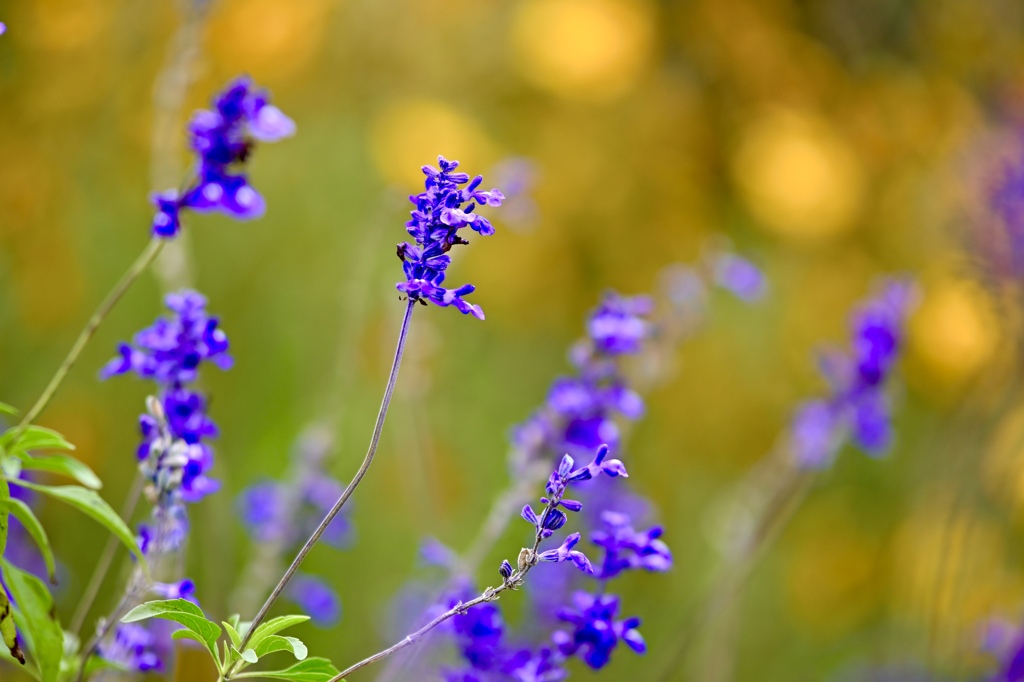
x: 593, y: 49
x: 798, y: 176
x: 408, y: 134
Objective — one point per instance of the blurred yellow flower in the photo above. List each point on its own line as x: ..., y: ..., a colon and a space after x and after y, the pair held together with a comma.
x: 411, y: 133
x: 268, y: 38
x: 594, y: 49
x: 954, y: 332
x: 798, y: 176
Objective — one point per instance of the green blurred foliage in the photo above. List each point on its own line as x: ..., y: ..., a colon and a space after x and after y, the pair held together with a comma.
x: 830, y: 140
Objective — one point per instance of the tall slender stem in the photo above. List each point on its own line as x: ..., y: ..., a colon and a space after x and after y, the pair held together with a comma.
x: 490, y: 594
x: 127, y: 279
x: 349, y: 489
x: 103, y: 565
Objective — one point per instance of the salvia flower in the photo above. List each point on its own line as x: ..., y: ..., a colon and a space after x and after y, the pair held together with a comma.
x: 442, y: 209
x: 173, y: 459
x: 222, y: 138
x: 169, y: 353
x: 580, y: 411
x: 626, y: 548
x: 595, y: 630
x: 857, y: 408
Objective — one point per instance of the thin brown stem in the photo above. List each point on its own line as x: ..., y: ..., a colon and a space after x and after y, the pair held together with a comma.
x: 349, y: 489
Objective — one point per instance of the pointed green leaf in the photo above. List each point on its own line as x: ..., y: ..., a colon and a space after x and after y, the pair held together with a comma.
x: 249, y: 656
x: 236, y: 640
x: 63, y: 464
x: 23, y: 513
x: 274, y: 626
x: 90, y: 503
x: 309, y: 670
x: 39, y: 619
x: 7, y: 409
x: 180, y: 611
x: 273, y: 643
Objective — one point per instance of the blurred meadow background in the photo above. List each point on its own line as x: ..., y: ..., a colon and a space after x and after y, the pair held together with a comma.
x: 830, y: 141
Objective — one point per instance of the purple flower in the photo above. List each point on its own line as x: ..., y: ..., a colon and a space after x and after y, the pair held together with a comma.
x: 627, y: 549
x: 133, y: 648
x: 441, y: 211
x: 740, y: 276
x: 316, y: 599
x: 579, y: 413
x: 595, y: 632
x: 169, y: 353
x: 619, y: 324
x: 565, y: 552
x: 857, y: 408
x: 223, y: 138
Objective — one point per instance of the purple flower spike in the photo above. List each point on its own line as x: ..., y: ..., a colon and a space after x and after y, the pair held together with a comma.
x: 857, y: 408
x: 441, y: 211
x: 223, y: 138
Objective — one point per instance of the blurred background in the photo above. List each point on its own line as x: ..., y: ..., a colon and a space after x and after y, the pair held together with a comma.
x: 831, y: 141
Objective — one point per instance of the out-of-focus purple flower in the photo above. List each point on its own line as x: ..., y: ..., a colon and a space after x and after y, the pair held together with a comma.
x: 3, y: 28
x: 517, y: 177
x: 740, y: 276
x: 579, y: 413
x: 627, y: 549
x: 619, y: 324
x: 223, y: 138
x: 1005, y: 246
x: 435, y: 553
x: 316, y: 599
x: 595, y: 631
x: 857, y: 408
x: 441, y: 211
x: 272, y: 512
x: 132, y: 648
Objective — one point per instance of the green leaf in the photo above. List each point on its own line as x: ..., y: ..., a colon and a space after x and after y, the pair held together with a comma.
x: 63, y: 464
x: 183, y: 612
x: 233, y: 635
x: 274, y: 643
x: 7, y: 409
x: 249, y: 656
x: 39, y: 619
x: 23, y: 513
x: 90, y: 503
x: 309, y: 670
x: 274, y: 626
x: 34, y: 438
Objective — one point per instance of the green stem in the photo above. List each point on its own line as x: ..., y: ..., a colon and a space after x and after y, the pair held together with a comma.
x: 129, y: 277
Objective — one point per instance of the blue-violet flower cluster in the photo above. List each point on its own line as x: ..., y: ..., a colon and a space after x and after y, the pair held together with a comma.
x: 223, y: 138
x: 442, y: 209
x: 857, y: 407
x: 173, y: 457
